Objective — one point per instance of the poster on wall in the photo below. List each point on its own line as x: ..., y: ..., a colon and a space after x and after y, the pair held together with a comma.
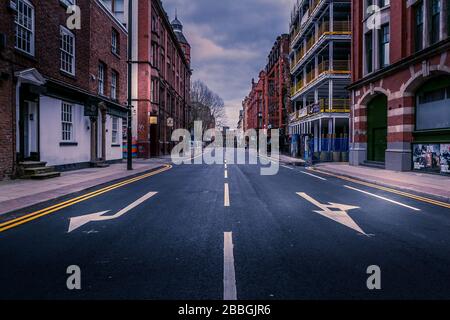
x: 427, y: 157
x: 445, y: 158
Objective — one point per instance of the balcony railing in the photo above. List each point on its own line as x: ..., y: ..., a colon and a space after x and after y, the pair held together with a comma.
x: 339, y: 27
x: 338, y: 105
x: 297, y: 88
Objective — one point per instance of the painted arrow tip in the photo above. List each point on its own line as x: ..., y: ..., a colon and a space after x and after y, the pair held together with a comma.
x: 77, y: 222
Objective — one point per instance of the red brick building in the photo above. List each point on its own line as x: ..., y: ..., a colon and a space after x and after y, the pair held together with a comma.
x: 254, y: 105
x: 400, y: 117
x: 268, y: 105
x: 277, y: 98
x: 63, y: 89
x: 161, y: 76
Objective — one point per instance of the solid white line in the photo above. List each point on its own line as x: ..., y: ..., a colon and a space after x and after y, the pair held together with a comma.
x: 229, y: 275
x: 226, y: 196
x: 226, y: 174
x: 383, y: 198
x: 313, y: 175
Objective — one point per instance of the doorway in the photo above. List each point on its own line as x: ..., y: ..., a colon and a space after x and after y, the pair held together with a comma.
x: 377, y: 129
x: 28, y: 127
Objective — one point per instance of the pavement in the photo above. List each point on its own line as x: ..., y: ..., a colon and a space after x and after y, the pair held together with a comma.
x: 22, y: 193
x: 225, y: 231
x: 429, y: 185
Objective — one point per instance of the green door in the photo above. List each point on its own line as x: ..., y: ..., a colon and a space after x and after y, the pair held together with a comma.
x: 377, y: 129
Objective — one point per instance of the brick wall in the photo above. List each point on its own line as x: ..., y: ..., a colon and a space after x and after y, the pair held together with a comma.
x: 7, y: 101
x: 102, y: 26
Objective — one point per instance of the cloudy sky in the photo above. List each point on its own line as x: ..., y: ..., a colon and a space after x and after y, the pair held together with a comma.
x: 230, y: 41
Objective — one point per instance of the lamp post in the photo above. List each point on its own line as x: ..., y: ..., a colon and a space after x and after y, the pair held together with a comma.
x: 130, y: 43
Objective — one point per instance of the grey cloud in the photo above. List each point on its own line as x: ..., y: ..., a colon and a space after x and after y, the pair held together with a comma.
x: 230, y: 41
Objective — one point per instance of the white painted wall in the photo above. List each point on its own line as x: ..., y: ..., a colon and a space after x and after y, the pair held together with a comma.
x: 51, y: 136
x: 113, y: 153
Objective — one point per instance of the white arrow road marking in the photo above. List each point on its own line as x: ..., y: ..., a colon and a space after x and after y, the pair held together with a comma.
x: 339, y: 214
x: 229, y: 274
x: 77, y: 222
x: 383, y: 198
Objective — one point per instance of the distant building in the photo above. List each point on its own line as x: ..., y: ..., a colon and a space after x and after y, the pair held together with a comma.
x: 320, y: 70
x: 278, y: 85
x: 62, y: 91
x: 255, y: 106
x: 400, y: 116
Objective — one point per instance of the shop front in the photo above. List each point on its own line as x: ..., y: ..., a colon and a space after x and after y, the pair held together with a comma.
x: 431, y: 147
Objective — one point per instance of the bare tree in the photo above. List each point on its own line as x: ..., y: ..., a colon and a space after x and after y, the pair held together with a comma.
x: 204, y: 100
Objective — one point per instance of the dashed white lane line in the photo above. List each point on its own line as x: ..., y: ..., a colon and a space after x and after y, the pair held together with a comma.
x: 229, y: 275
x: 383, y: 198
x: 313, y: 175
x: 286, y: 167
x: 226, y: 174
x: 226, y: 196
x: 225, y: 165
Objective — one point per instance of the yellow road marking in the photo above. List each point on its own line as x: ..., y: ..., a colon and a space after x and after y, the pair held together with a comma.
x: 402, y: 193
x: 40, y: 213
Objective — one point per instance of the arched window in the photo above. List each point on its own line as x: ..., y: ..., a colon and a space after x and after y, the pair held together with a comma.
x: 433, y: 104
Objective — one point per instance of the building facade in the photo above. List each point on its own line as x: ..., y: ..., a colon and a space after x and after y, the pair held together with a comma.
x: 63, y: 85
x: 161, y: 78
x: 320, y: 70
x: 278, y: 84
x: 254, y: 105
x: 400, y: 117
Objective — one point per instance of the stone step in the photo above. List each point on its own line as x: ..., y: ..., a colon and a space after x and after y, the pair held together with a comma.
x: 38, y: 170
x: 43, y: 176
x: 32, y: 164
x: 374, y: 164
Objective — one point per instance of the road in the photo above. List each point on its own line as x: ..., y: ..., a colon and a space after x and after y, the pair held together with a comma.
x: 206, y: 232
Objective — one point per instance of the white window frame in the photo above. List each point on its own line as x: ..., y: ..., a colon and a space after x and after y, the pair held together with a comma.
x: 25, y: 29
x: 68, y: 3
x: 64, y: 32
x: 114, y: 78
x: 115, y: 41
x: 101, y: 78
x: 114, y: 130
x: 67, y: 117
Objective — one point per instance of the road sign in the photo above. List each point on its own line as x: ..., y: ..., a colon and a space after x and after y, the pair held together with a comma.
x: 170, y: 122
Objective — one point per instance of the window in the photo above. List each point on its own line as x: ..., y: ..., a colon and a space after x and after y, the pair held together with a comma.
x: 435, y: 23
x: 153, y: 91
x: 114, y: 85
x: 418, y: 12
x: 101, y: 79
x: 115, y: 42
x: 369, y: 53
x: 24, y: 21
x: 67, y: 48
x: 67, y: 2
x: 154, y: 55
x: 115, y: 130
x: 384, y: 3
x: 384, y: 45
x: 67, y: 121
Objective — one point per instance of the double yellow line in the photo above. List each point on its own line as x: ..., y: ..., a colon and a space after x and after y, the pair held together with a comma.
x: 405, y: 194
x: 43, y: 212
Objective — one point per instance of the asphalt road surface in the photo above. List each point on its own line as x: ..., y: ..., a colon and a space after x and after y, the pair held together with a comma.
x: 209, y: 232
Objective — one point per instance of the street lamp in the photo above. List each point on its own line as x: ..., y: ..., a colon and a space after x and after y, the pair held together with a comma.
x: 130, y: 43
